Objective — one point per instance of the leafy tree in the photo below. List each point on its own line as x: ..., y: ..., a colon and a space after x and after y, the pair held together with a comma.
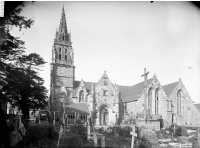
x: 10, y: 48
x: 19, y: 81
x: 25, y: 88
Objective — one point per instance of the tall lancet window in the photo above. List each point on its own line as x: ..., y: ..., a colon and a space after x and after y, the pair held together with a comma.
x: 56, y: 54
x: 149, y: 103
x: 81, y: 96
x: 156, y: 101
x: 65, y: 54
x: 59, y: 53
x: 63, y: 37
x: 179, y: 102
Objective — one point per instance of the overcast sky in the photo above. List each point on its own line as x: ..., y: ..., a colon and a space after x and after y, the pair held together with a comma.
x: 122, y: 38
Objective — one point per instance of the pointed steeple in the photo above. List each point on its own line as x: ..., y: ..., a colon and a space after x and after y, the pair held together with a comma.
x: 62, y: 31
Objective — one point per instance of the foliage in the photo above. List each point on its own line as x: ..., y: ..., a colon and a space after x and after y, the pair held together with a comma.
x: 38, y: 133
x: 24, y: 85
x: 3, y: 130
x: 10, y: 49
x: 116, y: 142
x: 162, y: 134
x: 19, y: 81
x: 79, y: 130
x: 173, y: 128
x: 73, y: 140
x: 125, y: 132
x: 142, y: 143
x: 181, y: 131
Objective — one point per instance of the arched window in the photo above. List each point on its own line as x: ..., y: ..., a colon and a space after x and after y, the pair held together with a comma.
x: 156, y: 101
x: 65, y: 54
x: 105, y: 82
x: 149, y: 102
x: 63, y: 37
x: 179, y: 102
x: 81, y: 96
x: 56, y: 54
x: 59, y: 53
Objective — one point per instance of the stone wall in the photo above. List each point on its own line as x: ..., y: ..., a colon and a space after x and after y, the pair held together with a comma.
x: 151, y: 124
x: 189, y: 113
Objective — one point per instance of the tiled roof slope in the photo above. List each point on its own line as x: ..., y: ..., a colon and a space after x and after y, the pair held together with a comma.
x: 122, y: 90
x: 88, y: 85
x: 134, y: 91
x: 197, y: 106
x: 76, y: 84
x: 169, y: 87
x: 81, y: 108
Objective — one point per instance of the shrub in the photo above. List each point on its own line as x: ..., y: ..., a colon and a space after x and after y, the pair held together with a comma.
x: 79, y: 130
x: 171, y: 129
x: 181, y: 131
x: 38, y: 133
x: 73, y: 140
x: 125, y: 132
x: 117, y: 142
x: 162, y: 134
x: 142, y: 143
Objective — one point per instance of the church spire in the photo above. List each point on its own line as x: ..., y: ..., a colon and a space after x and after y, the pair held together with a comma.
x: 62, y: 32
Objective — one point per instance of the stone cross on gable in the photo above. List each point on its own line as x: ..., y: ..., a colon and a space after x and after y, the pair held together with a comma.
x: 145, y: 76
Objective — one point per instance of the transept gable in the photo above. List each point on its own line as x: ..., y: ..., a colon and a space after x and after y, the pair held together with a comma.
x: 134, y: 92
x: 81, y: 87
x: 173, y: 88
x: 104, y: 87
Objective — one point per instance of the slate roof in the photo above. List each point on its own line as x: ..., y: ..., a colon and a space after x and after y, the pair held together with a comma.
x: 76, y: 84
x: 197, y: 106
x: 169, y: 87
x: 80, y: 108
x: 122, y: 90
x: 88, y: 85
x: 133, y: 92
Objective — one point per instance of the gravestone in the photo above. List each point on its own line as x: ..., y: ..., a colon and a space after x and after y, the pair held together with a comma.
x: 95, y: 140
x: 88, y: 132
x: 102, y: 141
x: 133, y: 136
x: 198, y: 136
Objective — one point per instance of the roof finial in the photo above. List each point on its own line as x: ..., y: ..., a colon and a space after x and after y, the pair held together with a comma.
x: 63, y: 7
x: 145, y: 76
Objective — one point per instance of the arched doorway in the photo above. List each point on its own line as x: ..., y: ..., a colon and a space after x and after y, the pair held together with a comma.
x: 103, y: 115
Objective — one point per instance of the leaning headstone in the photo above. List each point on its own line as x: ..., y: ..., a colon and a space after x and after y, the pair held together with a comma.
x: 198, y: 136
x: 14, y: 138
x: 102, y: 141
x: 88, y: 132
x: 194, y: 142
x: 95, y: 139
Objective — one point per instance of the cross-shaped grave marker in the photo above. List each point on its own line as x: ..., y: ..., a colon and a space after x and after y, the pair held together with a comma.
x: 145, y: 85
x: 133, y: 136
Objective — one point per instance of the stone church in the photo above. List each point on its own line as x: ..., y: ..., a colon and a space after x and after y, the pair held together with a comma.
x: 108, y: 103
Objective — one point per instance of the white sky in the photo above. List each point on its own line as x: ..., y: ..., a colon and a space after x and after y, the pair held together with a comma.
x: 122, y: 38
